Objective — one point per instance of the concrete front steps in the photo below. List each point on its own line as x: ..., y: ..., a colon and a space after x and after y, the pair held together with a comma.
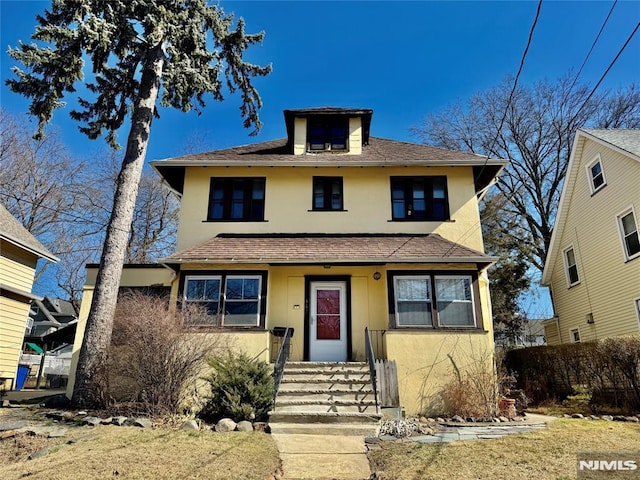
x: 325, y: 399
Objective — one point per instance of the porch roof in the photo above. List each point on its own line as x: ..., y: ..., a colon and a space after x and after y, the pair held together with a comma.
x: 328, y: 249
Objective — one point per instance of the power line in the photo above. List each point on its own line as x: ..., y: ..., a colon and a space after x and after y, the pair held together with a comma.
x: 595, y: 41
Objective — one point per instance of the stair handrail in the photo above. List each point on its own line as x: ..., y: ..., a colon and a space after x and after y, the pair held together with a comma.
x: 371, y: 360
x: 281, y: 359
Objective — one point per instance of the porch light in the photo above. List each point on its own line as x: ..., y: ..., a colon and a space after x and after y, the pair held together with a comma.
x: 590, y: 319
x: 377, y: 276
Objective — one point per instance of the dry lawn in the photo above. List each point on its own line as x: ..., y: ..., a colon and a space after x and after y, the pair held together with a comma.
x: 547, y: 454
x: 135, y: 453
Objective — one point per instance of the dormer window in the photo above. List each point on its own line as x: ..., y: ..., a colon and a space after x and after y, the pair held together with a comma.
x: 327, y: 134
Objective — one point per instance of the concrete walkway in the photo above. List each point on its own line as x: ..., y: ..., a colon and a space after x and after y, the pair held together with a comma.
x: 320, y: 457
x: 336, y: 457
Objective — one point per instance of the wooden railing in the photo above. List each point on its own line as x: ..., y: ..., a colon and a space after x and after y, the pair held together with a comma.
x: 371, y: 360
x: 281, y: 360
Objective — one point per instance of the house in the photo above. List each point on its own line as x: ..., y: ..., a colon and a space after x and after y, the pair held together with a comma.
x: 328, y: 231
x: 50, y: 314
x: 532, y: 335
x: 593, y: 264
x: 19, y: 254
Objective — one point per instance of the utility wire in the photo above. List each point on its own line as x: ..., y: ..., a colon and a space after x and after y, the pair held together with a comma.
x: 595, y: 41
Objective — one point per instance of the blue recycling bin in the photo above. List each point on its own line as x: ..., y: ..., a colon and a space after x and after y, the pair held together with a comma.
x: 23, y: 372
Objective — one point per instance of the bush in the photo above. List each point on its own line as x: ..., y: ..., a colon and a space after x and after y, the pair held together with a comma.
x: 241, y: 388
x: 154, y: 356
x: 608, y: 371
x: 473, y: 392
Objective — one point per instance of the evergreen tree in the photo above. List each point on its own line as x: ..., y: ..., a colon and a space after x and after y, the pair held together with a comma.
x: 140, y: 52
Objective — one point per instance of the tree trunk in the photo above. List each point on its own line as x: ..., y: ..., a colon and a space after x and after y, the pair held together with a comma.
x: 91, y: 389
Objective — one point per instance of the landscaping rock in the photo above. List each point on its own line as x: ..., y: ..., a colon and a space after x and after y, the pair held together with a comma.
x: 190, y: 425
x: 142, y: 422
x: 245, y: 426
x: 457, y: 419
x: 119, y: 421
x: 93, y: 421
x: 106, y: 421
x: 5, y: 404
x: 11, y: 425
x: 577, y: 415
x: 225, y: 425
x: 81, y: 413
x: 503, y: 419
x: 608, y: 418
x: 40, y: 453
x: 594, y: 417
x: 423, y: 420
x: 261, y: 427
x: 619, y: 418
x: 633, y: 419
x: 440, y: 419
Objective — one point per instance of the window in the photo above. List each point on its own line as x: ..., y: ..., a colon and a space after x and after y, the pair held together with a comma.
x: 228, y: 300
x: 433, y: 300
x: 455, y: 301
x: 327, y: 134
x: 241, y: 301
x: 571, y: 267
x: 629, y: 233
x: 596, y: 175
x: 236, y: 199
x: 413, y: 301
x: 204, y: 292
x: 637, y: 302
x: 574, y: 335
x: 327, y: 193
x: 419, y: 198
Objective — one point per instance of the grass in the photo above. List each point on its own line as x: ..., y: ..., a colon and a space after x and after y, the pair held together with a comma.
x: 134, y: 453
x: 545, y: 454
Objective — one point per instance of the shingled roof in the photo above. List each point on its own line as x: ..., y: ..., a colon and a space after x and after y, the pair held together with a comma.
x: 378, y: 152
x: 328, y: 249
x: 11, y: 230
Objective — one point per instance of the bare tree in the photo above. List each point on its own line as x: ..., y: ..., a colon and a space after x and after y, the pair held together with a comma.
x: 536, y: 136
x: 140, y: 52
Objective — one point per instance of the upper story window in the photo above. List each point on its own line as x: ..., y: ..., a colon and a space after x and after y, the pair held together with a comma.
x: 596, y: 175
x: 327, y: 193
x: 575, y: 335
x: 327, y: 134
x: 571, y: 267
x: 236, y: 199
x: 419, y: 198
x: 629, y: 233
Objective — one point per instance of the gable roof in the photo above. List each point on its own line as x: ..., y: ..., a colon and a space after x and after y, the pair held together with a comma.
x: 328, y: 249
x: 624, y: 141
x: 378, y: 152
x: 12, y: 231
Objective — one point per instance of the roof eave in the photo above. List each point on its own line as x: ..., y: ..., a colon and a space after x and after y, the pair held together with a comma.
x: 36, y: 251
x: 332, y: 261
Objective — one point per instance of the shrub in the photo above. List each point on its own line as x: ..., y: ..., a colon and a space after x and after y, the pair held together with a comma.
x: 241, y: 388
x: 154, y: 356
x: 473, y: 392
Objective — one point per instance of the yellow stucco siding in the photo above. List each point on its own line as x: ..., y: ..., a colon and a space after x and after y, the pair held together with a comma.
x: 17, y: 267
x: 609, y: 284
x: 424, y: 366
x: 367, y: 203
x: 13, y: 321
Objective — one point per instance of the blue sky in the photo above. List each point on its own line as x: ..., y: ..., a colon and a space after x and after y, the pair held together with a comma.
x: 402, y: 59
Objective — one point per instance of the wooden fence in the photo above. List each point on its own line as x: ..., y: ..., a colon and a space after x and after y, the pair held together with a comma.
x: 387, y: 383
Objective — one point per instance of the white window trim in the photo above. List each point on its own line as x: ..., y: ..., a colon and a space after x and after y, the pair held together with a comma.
x: 223, y: 298
x: 473, y: 309
x: 196, y: 302
x: 571, y: 336
x: 566, y: 266
x: 636, y: 306
x: 395, y: 298
x: 592, y: 187
x: 624, y: 213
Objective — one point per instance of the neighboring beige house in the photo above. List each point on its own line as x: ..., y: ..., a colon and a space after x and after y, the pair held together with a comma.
x: 19, y: 254
x: 329, y: 231
x: 593, y: 265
